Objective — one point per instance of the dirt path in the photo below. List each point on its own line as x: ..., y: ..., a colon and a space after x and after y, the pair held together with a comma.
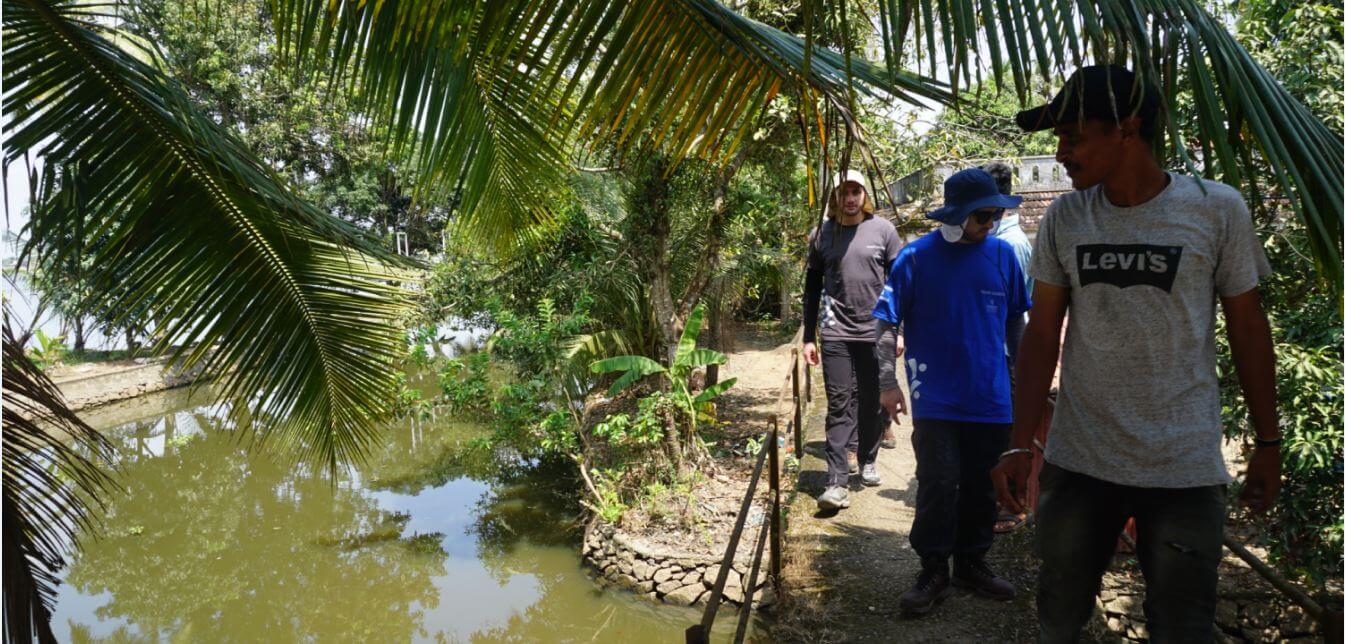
x: 759, y: 360
x: 844, y: 572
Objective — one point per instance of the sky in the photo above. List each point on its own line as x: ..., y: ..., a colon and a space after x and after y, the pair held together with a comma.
x: 16, y: 201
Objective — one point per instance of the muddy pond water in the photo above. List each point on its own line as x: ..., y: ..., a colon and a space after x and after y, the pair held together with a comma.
x: 429, y: 540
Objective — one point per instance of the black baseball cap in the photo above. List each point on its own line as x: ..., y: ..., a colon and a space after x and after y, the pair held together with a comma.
x: 1109, y: 92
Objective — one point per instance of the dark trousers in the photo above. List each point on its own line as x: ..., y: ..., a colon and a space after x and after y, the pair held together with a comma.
x: 1179, y: 543
x: 855, y: 419
x: 955, y: 500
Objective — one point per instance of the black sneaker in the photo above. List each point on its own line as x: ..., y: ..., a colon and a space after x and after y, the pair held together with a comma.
x: 931, y: 587
x: 974, y: 574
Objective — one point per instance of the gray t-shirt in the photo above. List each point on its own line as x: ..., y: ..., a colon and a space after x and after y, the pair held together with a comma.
x: 1139, y: 398
x: 854, y: 263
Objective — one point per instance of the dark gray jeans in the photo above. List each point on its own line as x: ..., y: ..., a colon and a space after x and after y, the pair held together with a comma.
x: 855, y: 419
x: 954, y: 499
x: 1179, y: 543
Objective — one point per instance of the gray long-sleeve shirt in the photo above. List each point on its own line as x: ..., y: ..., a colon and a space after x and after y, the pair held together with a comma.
x: 887, y: 354
x: 847, y: 266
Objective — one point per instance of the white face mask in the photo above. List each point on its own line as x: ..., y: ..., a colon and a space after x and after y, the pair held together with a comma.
x: 951, y: 233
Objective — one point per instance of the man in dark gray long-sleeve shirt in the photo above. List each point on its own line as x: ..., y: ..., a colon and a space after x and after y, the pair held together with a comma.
x: 848, y: 258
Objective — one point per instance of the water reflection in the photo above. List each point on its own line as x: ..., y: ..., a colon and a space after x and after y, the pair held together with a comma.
x: 211, y: 542
x: 429, y: 540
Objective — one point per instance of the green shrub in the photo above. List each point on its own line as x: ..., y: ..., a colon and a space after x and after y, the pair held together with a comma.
x: 409, y: 401
x: 1303, y: 531
x: 465, y: 384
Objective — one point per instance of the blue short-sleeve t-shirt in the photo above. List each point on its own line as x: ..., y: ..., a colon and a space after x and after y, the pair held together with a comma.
x: 953, y: 300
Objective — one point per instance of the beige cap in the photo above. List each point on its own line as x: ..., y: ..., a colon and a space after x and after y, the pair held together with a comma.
x: 851, y: 176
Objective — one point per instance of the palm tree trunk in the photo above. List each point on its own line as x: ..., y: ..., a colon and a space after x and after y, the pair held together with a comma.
x: 651, y: 224
x: 715, y: 337
x: 705, y: 270
x: 78, y: 322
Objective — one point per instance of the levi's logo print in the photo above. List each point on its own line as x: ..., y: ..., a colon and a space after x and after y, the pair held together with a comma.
x: 1123, y: 265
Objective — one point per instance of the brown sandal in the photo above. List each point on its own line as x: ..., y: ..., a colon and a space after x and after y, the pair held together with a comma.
x: 1008, y: 522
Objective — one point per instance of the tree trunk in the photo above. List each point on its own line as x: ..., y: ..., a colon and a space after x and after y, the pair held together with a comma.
x: 705, y: 270
x: 651, y: 225
x: 672, y: 443
x: 714, y: 340
x: 78, y: 323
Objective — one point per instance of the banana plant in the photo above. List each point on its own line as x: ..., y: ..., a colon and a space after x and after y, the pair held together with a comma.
x: 685, y: 361
x: 50, y: 350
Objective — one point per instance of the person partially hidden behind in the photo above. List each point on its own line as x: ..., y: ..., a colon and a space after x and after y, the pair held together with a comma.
x: 1138, y: 256
x: 954, y: 292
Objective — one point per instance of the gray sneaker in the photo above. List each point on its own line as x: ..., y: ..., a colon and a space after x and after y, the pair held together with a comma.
x: 835, y: 498
x: 870, y: 475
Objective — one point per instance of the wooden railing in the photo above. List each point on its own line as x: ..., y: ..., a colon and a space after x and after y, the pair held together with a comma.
x: 771, y: 530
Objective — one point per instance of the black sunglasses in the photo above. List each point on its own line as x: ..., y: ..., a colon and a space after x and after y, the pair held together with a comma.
x: 986, y: 216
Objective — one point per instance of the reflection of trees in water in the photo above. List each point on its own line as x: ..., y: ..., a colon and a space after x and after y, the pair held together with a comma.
x: 611, y: 615
x: 210, y: 541
x: 527, y: 522
x: 413, y: 457
x: 528, y: 501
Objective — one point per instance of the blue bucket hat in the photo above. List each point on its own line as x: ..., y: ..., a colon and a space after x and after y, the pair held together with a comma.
x: 968, y: 191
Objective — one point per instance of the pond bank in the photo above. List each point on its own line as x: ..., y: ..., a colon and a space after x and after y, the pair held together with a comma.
x: 91, y: 384
x: 678, y: 564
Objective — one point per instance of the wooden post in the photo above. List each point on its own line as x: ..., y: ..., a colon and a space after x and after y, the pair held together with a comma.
x: 808, y: 382
x: 775, y: 502
x: 798, y: 410
x: 696, y: 634
x: 726, y: 564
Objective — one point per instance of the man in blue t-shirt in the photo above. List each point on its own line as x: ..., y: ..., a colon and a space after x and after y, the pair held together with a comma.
x: 952, y: 292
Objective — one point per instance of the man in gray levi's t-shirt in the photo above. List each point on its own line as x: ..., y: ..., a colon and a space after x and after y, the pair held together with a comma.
x: 1139, y: 397
x: 1137, y: 257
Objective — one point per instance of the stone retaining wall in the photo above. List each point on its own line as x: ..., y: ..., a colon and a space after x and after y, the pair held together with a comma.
x: 679, y: 578
x: 1247, y: 611
x: 84, y: 391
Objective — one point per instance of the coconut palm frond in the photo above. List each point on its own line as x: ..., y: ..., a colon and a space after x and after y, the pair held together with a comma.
x: 287, y: 307
x: 497, y: 90
x: 46, y: 484
x: 1242, y: 115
